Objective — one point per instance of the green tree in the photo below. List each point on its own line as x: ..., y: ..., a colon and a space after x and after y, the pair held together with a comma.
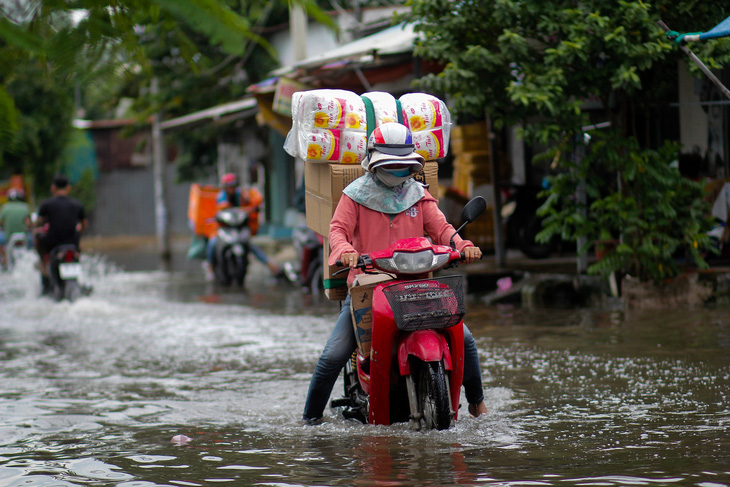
x: 63, y: 47
x: 538, y: 64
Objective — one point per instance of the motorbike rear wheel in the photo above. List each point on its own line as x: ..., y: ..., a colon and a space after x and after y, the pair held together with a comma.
x: 433, y: 396
x: 59, y: 291
x: 71, y: 290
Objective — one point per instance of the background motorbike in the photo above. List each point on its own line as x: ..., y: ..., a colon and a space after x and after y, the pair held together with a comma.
x: 415, y: 368
x: 64, y: 271
x: 230, y: 262
x: 306, y: 271
x: 16, y: 246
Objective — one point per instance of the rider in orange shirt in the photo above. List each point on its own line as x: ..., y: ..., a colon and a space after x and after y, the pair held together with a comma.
x: 250, y: 200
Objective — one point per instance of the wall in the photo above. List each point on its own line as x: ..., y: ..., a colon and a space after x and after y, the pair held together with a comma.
x: 692, y: 118
x: 125, y: 203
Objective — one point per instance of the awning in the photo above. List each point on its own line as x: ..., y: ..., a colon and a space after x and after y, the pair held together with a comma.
x: 216, y: 113
x: 393, y: 40
x: 224, y: 113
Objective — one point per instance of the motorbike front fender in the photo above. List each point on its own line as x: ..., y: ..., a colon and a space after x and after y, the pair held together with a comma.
x: 426, y: 345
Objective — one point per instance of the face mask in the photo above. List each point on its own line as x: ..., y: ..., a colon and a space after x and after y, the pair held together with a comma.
x: 400, y: 173
x: 390, y: 178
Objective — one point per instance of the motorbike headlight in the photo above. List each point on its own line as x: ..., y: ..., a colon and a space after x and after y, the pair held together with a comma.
x: 413, y: 262
x: 228, y: 235
x: 223, y: 217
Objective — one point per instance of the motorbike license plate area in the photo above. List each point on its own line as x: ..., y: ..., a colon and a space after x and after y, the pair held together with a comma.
x: 69, y: 270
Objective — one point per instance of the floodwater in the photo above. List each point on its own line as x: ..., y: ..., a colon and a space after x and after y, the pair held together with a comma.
x: 93, y: 393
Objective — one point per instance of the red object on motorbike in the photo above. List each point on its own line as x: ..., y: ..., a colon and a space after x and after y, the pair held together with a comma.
x: 417, y: 343
x: 416, y: 321
x: 69, y: 256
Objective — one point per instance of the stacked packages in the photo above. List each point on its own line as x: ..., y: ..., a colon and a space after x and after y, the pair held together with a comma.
x: 331, y: 125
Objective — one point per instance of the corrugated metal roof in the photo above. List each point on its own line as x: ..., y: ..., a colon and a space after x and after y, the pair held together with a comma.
x: 212, y: 113
x: 394, y: 40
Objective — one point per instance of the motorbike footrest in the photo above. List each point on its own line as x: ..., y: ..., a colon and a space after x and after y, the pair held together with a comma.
x: 341, y: 402
x: 352, y: 413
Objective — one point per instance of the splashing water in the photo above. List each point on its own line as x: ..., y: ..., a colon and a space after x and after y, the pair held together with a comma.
x: 97, y: 391
x: 23, y: 280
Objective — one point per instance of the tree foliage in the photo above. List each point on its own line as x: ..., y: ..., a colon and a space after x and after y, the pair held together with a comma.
x: 555, y: 67
x: 92, y: 53
x: 637, y: 202
x: 529, y: 60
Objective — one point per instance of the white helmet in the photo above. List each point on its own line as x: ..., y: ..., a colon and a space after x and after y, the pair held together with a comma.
x: 392, y: 143
x: 15, y: 194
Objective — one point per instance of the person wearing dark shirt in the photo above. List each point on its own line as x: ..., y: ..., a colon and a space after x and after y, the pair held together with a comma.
x: 61, y: 220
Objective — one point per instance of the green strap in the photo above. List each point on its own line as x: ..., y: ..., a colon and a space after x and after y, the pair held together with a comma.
x: 334, y: 283
x: 369, y: 115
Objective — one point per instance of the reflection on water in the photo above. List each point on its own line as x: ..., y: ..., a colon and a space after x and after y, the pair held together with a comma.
x: 93, y: 392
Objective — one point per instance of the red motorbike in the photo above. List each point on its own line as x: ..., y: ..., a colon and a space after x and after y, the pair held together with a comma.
x: 414, y: 369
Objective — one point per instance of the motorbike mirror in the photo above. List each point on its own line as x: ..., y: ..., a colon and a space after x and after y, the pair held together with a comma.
x: 473, y: 209
x: 471, y: 212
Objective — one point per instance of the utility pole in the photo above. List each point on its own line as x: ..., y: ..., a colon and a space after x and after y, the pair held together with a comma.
x: 500, y: 253
x: 159, y: 163
x: 298, y: 31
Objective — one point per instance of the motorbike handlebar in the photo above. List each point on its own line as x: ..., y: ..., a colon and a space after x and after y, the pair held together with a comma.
x: 463, y: 256
x: 361, y: 264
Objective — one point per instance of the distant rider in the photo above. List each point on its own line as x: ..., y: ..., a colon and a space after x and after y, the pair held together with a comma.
x: 232, y: 195
x: 61, y: 220
x: 14, y: 218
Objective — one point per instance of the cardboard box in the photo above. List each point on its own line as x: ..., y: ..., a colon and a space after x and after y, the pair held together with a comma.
x: 335, y: 288
x: 319, y: 212
x: 202, y: 209
x: 361, y: 308
x: 324, y: 184
x: 472, y: 130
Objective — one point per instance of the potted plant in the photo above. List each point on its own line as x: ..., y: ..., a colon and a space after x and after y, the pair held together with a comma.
x: 636, y: 199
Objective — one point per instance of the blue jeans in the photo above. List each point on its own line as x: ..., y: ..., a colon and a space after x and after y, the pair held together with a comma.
x: 338, y: 351
x: 255, y: 250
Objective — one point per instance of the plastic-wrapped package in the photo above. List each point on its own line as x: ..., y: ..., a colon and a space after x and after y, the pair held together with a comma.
x: 330, y: 109
x: 321, y: 145
x: 353, y: 147
x: 430, y: 143
x: 331, y: 125
x: 430, y: 122
x: 384, y: 107
x: 327, y: 126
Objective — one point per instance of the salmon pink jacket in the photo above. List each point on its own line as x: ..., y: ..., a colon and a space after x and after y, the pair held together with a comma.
x: 356, y: 228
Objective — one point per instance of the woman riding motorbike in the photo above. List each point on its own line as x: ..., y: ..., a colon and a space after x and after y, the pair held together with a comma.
x: 382, y: 206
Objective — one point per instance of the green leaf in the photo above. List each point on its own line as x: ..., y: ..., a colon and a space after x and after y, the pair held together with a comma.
x: 216, y: 21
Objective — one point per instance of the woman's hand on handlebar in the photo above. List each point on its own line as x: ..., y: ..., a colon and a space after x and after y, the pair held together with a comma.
x: 471, y: 254
x: 349, y: 259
